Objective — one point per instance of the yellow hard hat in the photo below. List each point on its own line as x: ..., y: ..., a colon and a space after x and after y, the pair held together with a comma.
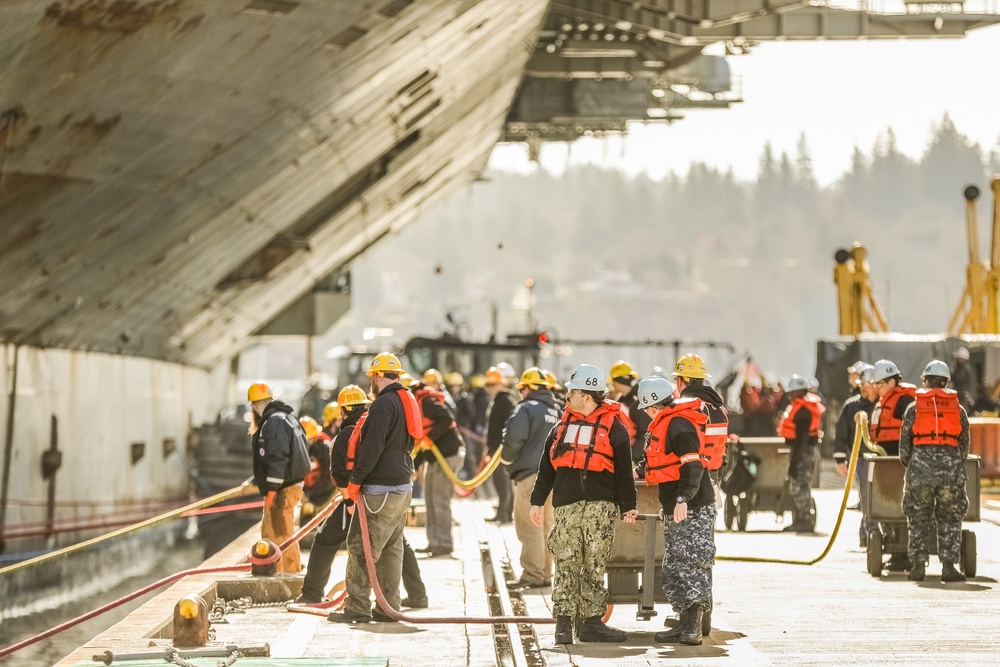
x: 331, y: 413
x: 452, y: 379
x: 691, y: 366
x: 432, y: 377
x: 352, y: 394
x: 386, y: 362
x: 553, y: 380
x: 477, y: 381
x: 533, y: 378
x: 310, y: 426
x: 406, y: 380
x: 622, y: 369
x: 493, y: 376
x: 258, y: 391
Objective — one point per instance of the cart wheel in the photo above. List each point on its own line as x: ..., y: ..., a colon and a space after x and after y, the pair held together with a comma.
x: 875, y: 553
x: 607, y: 613
x: 729, y: 512
x: 743, y: 513
x: 969, y: 553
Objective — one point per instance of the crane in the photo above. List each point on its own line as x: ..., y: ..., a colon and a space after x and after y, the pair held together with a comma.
x: 976, y: 312
x: 858, y: 307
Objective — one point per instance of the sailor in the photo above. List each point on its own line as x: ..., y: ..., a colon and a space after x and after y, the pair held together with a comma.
x: 800, y: 427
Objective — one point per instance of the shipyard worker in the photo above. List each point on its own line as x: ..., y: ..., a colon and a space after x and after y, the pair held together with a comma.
x: 280, y: 465
x: 624, y: 380
x: 673, y: 461
x: 318, y: 486
x: 800, y: 427
x: 332, y: 418
x: 586, y: 465
x: 847, y: 427
x: 854, y: 376
x: 439, y: 427
x: 465, y: 417
x: 333, y: 533
x: 523, y: 445
x: 963, y: 378
x: 499, y: 411
x: 690, y: 374
x: 933, y: 445
x: 381, y: 478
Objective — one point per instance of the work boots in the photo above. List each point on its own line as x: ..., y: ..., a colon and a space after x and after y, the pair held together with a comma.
x: 673, y: 635
x: 594, y: 630
x: 564, y: 630
x: 949, y: 573
x: 706, y: 620
x: 691, y: 629
x: 916, y: 572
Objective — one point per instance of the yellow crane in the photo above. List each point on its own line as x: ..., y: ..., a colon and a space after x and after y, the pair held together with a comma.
x: 976, y: 312
x: 858, y: 307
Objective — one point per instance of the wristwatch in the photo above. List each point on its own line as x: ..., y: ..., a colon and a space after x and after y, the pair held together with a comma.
x: 681, y: 499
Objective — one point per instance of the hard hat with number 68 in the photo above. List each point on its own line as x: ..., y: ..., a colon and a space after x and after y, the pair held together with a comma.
x: 884, y: 369
x: 691, y: 366
x: 331, y: 413
x: 352, y: 394
x: 386, y: 362
x: 586, y: 378
x: 622, y: 369
x: 797, y: 383
x: 310, y: 426
x: 258, y: 391
x: 937, y: 368
x: 533, y: 378
x: 655, y: 390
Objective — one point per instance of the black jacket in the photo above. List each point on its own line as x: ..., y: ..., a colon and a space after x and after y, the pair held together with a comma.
x: 569, y: 485
x: 338, y: 452
x: 499, y: 412
x: 319, y: 451
x: 280, y: 453
x: 525, y: 433
x: 846, y: 428
x: 639, y: 418
x: 694, y: 484
x: 442, y: 432
x: 383, y: 453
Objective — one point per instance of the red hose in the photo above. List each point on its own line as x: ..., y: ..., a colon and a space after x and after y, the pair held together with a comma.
x: 397, y: 616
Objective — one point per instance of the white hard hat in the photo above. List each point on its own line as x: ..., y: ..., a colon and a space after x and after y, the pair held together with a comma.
x: 857, y: 367
x: 865, y: 374
x: 506, y: 371
x: 884, y: 369
x: 654, y: 390
x: 962, y: 353
x: 937, y: 368
x: 797, y: 382
x: 587, y: 378
x: 813, y: 382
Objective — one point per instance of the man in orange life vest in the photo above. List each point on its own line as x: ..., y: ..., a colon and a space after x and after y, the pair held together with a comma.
x: 380, y: 478
x: 690, y: 374
x: 439, y: 427
x: 933, y: 445
x: 674, y: 462
x: 800, y: 427
x: 586, y: 464
x: 894, y: 397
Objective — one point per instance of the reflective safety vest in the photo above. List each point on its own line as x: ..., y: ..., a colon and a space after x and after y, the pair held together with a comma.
x: 885, y: 426
x: 716, y: 435
x: 413, y: 425
x: 938, y: 420
x: 810, y: 402
x: 584, y: 443
x: 438, y: 397
x: 663, y: 465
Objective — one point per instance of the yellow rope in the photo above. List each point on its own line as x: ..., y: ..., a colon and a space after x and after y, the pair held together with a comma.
x: 860, y: 434
x: 464, y: 484
x: 242, y: 490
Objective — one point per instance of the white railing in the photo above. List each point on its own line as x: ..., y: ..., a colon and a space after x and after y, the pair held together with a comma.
x: 915, y: 6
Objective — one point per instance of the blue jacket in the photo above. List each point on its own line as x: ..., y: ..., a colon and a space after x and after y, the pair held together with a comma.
x: 525, y: 432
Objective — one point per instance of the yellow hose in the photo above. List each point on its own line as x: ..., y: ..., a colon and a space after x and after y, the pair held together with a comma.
x: 242, y: 490
x: 861, y: 433
x: 464, y: 484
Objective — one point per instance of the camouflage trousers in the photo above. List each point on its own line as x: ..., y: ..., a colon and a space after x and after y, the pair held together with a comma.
x: 934, y: 491
x: 688, y: 557
x: 581, y: 540
x: 800, y: 476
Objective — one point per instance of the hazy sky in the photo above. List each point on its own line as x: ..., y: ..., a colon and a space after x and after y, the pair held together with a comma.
x: 840, y: 94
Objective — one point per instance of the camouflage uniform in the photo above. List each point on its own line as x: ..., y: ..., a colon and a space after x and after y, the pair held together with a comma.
x: 688, y: 557
x: 934, y: 490
x: 581, y: 541
x: 800, y: 476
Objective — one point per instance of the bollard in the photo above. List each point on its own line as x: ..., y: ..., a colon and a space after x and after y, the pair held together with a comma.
x: 190, y: 622
x: 264, y: 557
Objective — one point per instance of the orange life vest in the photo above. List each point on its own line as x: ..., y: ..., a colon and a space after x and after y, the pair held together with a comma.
x: 438, y: 397
x: 716, y: 435
x: 885, y: 426
x: 663, y: 465
x: 810, y: 402
x: 413, y: 425
x: 584, y: 443
x: 938, y: 420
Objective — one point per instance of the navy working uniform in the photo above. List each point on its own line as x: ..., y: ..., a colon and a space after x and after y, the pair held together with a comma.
x: 800, y: 427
